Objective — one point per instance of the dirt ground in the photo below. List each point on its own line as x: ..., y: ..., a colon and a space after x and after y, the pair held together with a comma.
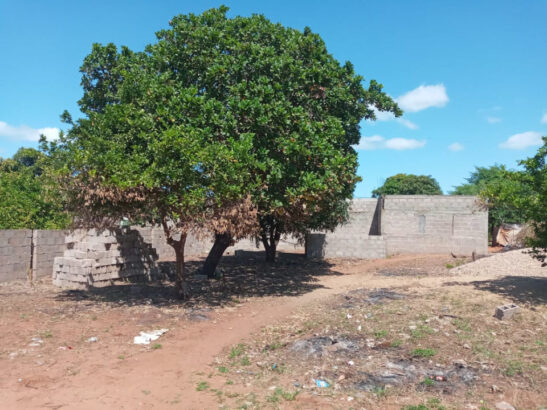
x: 403, y: 332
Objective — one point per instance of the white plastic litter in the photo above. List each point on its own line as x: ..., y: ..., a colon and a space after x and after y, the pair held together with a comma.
x: 93, y: 339
x: 145, y: 338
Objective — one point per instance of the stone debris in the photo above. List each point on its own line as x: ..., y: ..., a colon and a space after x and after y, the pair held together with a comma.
x: 369, y: 296
x: 403, y: 372
x: 323, y: 345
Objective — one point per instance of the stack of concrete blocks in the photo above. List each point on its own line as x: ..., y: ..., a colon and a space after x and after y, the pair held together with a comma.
x: 358, y: 238
x: 15, y: 255
x: 99, y: 258
x: 434, y: 224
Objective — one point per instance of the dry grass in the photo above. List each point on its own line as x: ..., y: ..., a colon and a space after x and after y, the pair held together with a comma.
x: 438, y: 330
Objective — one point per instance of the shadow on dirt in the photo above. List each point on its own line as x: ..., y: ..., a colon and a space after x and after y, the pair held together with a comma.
x: 522, y: 289
x: 242, y: 276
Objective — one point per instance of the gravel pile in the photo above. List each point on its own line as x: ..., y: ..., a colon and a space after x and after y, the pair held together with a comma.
x: 513, y: 263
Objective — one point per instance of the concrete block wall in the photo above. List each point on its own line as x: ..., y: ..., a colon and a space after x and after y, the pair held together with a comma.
x: 434, y: 224
x: 15, y: 255
x: 358, y: 238
x: 406, y: 224
x: 48, y: 244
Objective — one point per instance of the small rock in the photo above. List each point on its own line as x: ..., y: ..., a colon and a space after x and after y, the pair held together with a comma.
x: 466, y: 346
x: 412, y: 327
x: 495, y: 389
x: 351, y: 363
x: 350, y: 398
x: 460, y: 363
x: 503, y: 405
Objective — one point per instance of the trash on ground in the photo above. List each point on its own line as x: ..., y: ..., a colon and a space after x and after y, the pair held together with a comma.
x: 93, y: 339
x: 145, y: 338
x: 321, y: 383
x: 36, y: 341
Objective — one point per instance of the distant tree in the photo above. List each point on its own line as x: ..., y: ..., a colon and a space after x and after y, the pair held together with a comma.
x: 408, y: 184
x: 26, y: 197
x: 534, y: 205
x: 499, y: 187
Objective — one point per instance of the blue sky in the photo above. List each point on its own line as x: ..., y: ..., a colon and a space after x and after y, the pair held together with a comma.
x: 471, y: 76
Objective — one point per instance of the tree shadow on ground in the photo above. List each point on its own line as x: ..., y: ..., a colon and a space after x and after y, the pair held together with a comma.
x: 529, y: 290
x: 245, y: 275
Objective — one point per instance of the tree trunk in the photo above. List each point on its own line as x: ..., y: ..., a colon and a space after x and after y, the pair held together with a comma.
x: 178, y: 246
x: 270, y: 244
x: 495, y: 230
x: 222, y: 241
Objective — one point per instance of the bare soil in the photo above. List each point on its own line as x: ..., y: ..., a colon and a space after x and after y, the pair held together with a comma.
x: 262, y: 335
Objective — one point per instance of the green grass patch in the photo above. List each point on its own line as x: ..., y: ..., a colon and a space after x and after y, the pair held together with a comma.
x: 279, y: 394
x: 223, y: 369
x: 202, y: 386
x: 237, y: 350
x: 462, y: 324
x: 397, y: 343
x: 424, y: 352
x: 421, y: 331
x: 156, y: 346
x: 379, y: 334
x: 513, y: 368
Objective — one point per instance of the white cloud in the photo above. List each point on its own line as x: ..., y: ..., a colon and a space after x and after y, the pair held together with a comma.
x: 456, y: 146
x: 388, y: 116
x: 493, y: 120
x: 407, y: 123
x: 26, y: 133
x: 379, y: 142
x: 423, y: 97
x: 404, y: 143
x: 544, y: 118
x: 522, y: 140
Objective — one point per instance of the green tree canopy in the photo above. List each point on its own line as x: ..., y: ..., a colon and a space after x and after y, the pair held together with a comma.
x: 534, y: 204
x: 499, y: 187
x: 408, y: 184
x: 216, y: 112
x: 26, y: 200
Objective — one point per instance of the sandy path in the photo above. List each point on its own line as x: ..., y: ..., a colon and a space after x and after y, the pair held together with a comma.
x: 167, y: 378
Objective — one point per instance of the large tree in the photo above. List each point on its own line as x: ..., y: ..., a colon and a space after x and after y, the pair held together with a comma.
x: 154, y: 147
x: 222, y: 124
x: 301, y: 105
x: 499, y: 187
x: 27, y: 200
x: 408, y: 184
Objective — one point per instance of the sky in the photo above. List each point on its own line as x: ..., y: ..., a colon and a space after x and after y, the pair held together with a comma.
x: 470, y: 76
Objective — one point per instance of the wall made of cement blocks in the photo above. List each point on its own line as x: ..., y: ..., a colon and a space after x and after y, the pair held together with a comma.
x: 48, y: 244
x: 434, y: 224
x: 15, y: 245
x: 407, y: 224
x: 358, y: 238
